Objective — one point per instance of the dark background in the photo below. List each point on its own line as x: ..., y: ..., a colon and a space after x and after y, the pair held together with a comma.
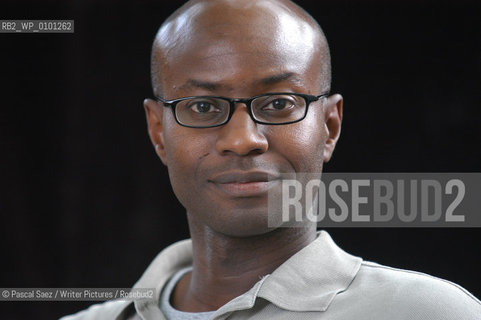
x: 84, y: 201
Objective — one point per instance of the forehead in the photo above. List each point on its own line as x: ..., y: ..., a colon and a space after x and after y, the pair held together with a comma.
x: 237, y: 46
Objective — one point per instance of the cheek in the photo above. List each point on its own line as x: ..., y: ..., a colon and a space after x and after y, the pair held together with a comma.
x: 302, y: 143
x: 182, y: 161
x: 184, y: 150
x: 184, y: 154
x: 182, y: 145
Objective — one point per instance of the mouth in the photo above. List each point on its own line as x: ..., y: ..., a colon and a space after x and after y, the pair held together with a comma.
x: 244, y: 183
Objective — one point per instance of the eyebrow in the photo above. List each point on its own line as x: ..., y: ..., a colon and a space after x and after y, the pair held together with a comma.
x: 270, y: 80
x: 211, y: 86
x: 279, y: 78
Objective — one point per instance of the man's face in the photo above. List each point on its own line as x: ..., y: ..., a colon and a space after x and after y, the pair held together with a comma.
x: 220, y: 174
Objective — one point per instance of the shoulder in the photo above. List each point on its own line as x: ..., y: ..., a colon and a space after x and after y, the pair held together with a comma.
x: 420, y: 295
x: 166, y: 263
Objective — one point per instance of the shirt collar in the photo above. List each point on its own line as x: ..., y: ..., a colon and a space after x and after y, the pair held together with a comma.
x: 312, y: 277
x: 173, y: 258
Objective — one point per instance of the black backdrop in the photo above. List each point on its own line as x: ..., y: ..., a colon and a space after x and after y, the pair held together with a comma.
x: 84, y: 201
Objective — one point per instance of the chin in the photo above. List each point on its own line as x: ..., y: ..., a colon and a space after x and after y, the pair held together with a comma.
x: 242, y: 223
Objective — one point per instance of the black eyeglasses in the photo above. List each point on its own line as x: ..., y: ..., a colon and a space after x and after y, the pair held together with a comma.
x: 270, y: 108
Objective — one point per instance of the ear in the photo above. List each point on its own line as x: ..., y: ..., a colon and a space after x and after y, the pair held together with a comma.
x: 154, y: 113
x: 333, y: 120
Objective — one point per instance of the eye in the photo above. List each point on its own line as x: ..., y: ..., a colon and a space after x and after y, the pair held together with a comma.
x: 279, y: 104
x: 203, y: 107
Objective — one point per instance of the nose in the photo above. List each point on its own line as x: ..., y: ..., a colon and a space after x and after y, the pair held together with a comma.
x: 240, y: 136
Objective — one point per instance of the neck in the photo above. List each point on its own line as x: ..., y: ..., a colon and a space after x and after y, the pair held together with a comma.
x: 225, y: 267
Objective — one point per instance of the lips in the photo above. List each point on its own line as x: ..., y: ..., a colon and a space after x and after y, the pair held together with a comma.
x: 244, y: 183
x: 242, y: 177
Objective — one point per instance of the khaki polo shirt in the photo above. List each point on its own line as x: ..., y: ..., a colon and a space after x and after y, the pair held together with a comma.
x: 321, y: 281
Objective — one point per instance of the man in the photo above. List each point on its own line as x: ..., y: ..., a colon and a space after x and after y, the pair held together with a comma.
x: 225, y: 152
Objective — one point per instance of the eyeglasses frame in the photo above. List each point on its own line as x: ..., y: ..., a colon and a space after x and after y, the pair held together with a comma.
x: 246, y: 101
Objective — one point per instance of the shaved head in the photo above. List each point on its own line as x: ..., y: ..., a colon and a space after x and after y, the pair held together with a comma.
x: 200, y: 23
